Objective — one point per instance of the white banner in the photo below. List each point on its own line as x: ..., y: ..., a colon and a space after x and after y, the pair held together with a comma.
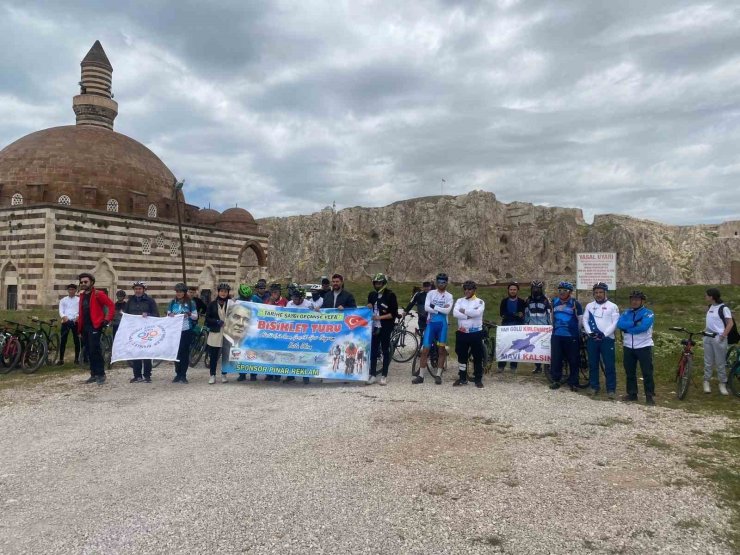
x: 595, y: 267
x: 523, y: 343
x: 156, y: 338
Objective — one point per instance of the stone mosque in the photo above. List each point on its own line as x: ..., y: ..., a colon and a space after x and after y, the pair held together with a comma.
x: 84, y: 198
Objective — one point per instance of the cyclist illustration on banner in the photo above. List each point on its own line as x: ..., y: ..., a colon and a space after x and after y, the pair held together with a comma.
x: 523, y: 343
x: 266, y: 339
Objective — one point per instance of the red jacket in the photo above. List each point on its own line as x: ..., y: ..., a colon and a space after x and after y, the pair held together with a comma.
x: 98, y: 301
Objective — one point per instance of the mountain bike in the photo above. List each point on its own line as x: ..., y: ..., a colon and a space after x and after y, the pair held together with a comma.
x: 685, y: 362
x: 404, y: 343
x: 198, y: 345
x: 46, y: 331
x: 13, y: 346
x: 5, y: 336
x: 733, y: 370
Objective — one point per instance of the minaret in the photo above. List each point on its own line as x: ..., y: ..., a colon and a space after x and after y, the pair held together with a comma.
x: 95, y: 105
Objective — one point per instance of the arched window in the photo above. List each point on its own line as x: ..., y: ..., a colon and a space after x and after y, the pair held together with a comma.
x: 160, y: 241
x: 146, y: 246
x: 112, y: 205
x: 152, y: 212
x: 16, y: 200
x: 65, y: 200
x: 174, y: 249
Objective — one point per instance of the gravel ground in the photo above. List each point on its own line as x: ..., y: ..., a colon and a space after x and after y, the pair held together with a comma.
x: 334, y: 468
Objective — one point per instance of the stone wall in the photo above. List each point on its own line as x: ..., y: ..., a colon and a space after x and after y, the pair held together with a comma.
x: 474, y: 236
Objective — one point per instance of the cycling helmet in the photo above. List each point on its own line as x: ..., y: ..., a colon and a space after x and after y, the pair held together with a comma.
x: 380, y: 278
x: 225, y: 286
x: 261, y: 283
x: 441, y: 278
x: 120, y: 294
x: 470, y: 284
x: 298, y: 292
x: 535, y: 284
x: 140, y: 284
x: 245, y: 291
x: 513, y: 284
x: 315, y: 287
x: 565, y: 285
x: 181, y: 287
x: 637, y: 294
x: 600, y: 285
x: 276, y: 287
x: 292, y: 287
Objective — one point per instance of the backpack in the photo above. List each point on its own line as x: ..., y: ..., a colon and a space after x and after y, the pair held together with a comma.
x: 734, y: 336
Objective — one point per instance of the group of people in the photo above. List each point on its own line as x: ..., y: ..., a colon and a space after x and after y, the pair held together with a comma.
x: 84, y: 317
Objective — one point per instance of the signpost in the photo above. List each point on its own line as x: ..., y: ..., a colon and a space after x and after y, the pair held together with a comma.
x: 595, y: 267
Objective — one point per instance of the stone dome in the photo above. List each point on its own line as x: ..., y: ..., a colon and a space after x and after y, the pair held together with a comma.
x: 88, y: 167
x: 208, y: 216
x: 237, y: 219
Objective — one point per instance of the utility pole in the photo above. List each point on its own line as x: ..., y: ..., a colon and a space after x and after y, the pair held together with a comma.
x: 178, y: 185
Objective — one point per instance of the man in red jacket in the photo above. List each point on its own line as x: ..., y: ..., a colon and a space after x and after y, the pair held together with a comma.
x: 96, y: 311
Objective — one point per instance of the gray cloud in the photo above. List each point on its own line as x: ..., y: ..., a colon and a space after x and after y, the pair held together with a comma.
x: 627, y: 107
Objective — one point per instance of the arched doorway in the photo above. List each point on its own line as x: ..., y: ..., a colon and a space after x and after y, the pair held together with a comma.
x: 207, y: 283
x: 105, y: 277
x: 9, y: 286
x: 251, y: 261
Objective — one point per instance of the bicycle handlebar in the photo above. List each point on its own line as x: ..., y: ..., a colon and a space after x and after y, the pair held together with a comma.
x: 704, y: 333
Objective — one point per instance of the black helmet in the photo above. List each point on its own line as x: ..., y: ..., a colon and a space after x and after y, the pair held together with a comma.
x: 513, y: 284
x: 380, y: 278
x: 470, y: 284
x: 637, y: 294
x: 120, y: 294
x: 600, y: 285
x: 298, y: 292
x: 225, y: 286
x: 536, y: 283
x: 276, y: 287
x: 441, y: 277
x: 181, y: 287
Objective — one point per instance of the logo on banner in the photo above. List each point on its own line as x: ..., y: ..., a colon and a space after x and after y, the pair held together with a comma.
x: 355, y: 321
x: 147, y: 337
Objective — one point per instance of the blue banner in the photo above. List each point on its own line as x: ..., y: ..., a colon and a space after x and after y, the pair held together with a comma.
x: 330, y: 344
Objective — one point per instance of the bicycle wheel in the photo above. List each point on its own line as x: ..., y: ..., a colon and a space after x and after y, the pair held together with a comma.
x: 156, y: 362
x: 415, y: 364
x: 683, y: 375
x: 207, y: 358
x: 404, y: 346
x: 733, y: 379
x: 196, y: 349
x: 34, y: 354
x: 106, y: 345
x: 3, y: 368
x: 12, y: 353
x: 52, y: 354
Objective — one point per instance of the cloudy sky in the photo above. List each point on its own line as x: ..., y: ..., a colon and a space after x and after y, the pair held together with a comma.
x: 285, y: 107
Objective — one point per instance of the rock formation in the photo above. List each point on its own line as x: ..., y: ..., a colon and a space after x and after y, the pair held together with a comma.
x: 474, y: 236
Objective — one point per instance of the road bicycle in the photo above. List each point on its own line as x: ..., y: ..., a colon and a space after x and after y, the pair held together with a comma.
x: 404, y: 343
x: 685, y: 362
x: 733, y: 370
x: 433, y: 360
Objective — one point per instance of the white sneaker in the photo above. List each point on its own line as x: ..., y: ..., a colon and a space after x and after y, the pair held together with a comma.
x: 383, y: 380
x: 372, y: 380
x: 212, y: 380
x: 223, y: 378
x: 707, y: 387
x: 723, y: 389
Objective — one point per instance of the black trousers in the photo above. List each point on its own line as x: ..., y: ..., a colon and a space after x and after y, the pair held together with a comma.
x: 565, y: 349
x: 644, y: 356
x: 381, y: 342
x: 214, y: 353
x: 183, y: 354
x: 91, y: 337
x: 69, y: 327
x: 465, y: 345
x: 137, y: 366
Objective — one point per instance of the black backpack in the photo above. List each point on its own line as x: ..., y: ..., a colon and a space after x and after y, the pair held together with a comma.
x: 734, y: 336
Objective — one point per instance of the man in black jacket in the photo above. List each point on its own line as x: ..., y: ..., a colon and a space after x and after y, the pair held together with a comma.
x: 338, y: 297
x: 418, y: 301
x: 141, y: 304
x: 384, y: 305
x: 512, y: 314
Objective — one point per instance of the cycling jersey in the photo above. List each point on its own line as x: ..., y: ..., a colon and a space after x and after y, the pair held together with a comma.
x: 601, y: 317
x: 537, y: 311
x: 472, y: 320
x: 438, y: 305
x: 565, y: 317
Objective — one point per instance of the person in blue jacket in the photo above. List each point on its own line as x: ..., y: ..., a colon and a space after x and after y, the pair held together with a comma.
x: 564, y: 344
x: 637, y: 325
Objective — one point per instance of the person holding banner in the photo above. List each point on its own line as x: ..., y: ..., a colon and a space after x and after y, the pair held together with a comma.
x: 182, y: 304
x: 511, y: 310
x: 469, y: 336
x: 384, y: 304
x: 338, y: 296
x: 537, y: 312
x: 141, y: 304
x: 600, y: 322
x: 215, y: 318
x: 565, y: 339
x: 298, y: 300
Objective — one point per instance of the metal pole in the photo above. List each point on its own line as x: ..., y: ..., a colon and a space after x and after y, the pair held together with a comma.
x: 178, y: 187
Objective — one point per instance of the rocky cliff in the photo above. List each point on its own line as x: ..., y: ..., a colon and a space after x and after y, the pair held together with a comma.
x: 474, y: 236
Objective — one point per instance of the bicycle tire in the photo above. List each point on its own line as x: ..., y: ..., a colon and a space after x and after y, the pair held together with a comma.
x: 404, y: 346
x: 106, y: 345
x: 12, y: 353
x: 3, y: 368
x: 52, y: 353
x: 207, y: 358
x: 415, y: 364
x: 683, y: 376
x: 156, y: 362
x: 34, y: 355
x: 733, y: 379
x: 197, y: 349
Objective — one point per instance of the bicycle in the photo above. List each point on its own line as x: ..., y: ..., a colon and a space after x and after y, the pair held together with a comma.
x: 404, y: 343
x: 106, y: 345
x: 683, y: 371
x: 583, y: 373
x: 13, y: 346
x: 489, y: 349
x: 433, y: 360
x: 198, y: 346
x: 50, y: 336
x: 733, y: 372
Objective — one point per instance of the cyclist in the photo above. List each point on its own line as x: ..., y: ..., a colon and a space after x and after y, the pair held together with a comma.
x: 384, y: 305
x: 141, y: 304
x: 182, y: 304
x: 719, y: 321
x: 637, y: 324
x: 317, y: 296
x: 469, y: 336
x: 511, y: 310
x: 600, y: 322
x: 438, y: 305
x: 275, y: 296
x: 417, y: 300
x: 215, y: 318
x: 565, y: 341
x: 199, y: 303
x: 69, y: 311
x: 338, y: 296
x: 120, y: 305
x: 537, y: 311
x: 96, y: 311
x: 298, y: 300
x: 245, y: 294
x: 261, y: 290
